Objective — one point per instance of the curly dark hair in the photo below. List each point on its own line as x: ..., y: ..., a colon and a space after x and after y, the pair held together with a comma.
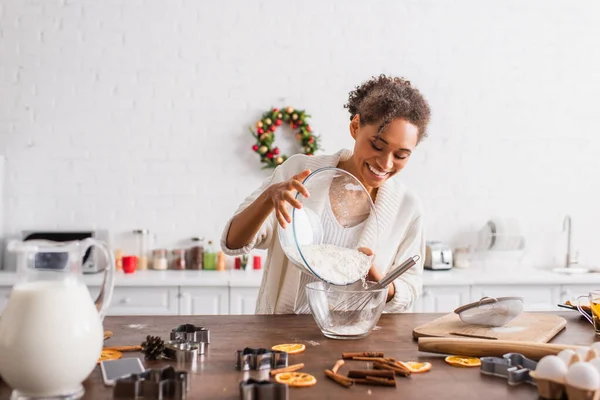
x: 383, y: 99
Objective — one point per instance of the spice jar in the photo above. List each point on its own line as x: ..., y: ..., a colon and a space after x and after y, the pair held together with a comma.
x: 178, y: 261
x: 196, y: 254
x: 159, y: 259
x: 142, y: 239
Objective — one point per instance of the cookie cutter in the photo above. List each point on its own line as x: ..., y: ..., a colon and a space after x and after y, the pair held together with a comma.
x: 191, y: 333
x: 259, y: 359
x: 252, y: 389
x: 514, y: 367
x: 182, y: 351
x: 153, y: 384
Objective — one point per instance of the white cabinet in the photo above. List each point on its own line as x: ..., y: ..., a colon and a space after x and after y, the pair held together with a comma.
x: 442, y: 299
x: 242, y: 300
x: 571, y: 292
x: 535, y: 297
x: 143, y: 301
x: 4, y: 295
x: 204, y: 301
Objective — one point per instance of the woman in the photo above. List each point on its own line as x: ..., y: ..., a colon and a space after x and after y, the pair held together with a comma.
x: 389, y: 118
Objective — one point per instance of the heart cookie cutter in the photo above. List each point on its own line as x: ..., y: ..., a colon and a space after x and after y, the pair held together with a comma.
x: 259, y: 359
x: 153, y: 384
x: 263, y: 390
x: 514, y: 367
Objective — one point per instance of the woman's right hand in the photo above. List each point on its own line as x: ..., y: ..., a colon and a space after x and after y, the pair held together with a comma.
x: 281, y: 193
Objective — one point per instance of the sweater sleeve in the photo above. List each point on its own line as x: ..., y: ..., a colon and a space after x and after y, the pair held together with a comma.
x: 408, y: 286
x: 263, y: 237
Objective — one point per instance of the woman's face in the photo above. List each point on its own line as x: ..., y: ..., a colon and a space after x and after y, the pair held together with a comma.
x: 379, y: 157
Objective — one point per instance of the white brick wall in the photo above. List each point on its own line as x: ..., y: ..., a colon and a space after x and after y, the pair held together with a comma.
x: 134, y: 113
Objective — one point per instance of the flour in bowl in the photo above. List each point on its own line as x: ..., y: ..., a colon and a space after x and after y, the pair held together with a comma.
x: 333, y: 264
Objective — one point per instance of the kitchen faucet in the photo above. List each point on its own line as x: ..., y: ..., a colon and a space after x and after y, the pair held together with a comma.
x: 567, y: 227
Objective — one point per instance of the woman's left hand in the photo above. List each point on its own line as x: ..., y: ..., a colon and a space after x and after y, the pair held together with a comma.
x: 375, y: 276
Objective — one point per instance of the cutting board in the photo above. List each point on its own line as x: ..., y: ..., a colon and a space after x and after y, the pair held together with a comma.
x: 527, y: 327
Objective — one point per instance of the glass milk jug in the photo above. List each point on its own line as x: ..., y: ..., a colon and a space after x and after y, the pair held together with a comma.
x: 51, y: 333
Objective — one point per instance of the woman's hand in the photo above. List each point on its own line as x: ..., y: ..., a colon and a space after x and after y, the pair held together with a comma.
x: 375, y: 276
x: 281, y: 193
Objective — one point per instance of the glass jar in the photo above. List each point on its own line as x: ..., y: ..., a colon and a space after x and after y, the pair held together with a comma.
x: 210, y: 257
x: 159, y: 259
x: 142, y: 245
x: 178, y: 260
x: 196, y: 253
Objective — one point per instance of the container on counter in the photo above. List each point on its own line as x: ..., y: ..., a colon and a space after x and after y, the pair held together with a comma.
x: 461, y: 257
x: 210, y: 257
x: 178, y: 259
x: 119, y: 260
x: 196, y: 254
x: 159, y: 259
x: 221, y: 261
x: 129, y: 264
x: 257, y: 261
x: 142, y: 241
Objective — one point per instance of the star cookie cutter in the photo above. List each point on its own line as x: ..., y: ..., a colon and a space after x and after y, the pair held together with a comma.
x: 153, y: 384
x: 514, y: 367
x: 191, y: 333
x: 259, y: 359
x: 252, y: 389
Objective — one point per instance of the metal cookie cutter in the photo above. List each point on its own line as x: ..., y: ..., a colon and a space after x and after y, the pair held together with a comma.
x: 153, y: 384
x: 259, y: 359
x: 182, y: 351
x: 263, y: 390
x: 191, y: 333
x: 513, y: 366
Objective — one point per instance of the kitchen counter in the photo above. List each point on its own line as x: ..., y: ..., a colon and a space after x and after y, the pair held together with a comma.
x: 252, y: 278
x: 216, y: 377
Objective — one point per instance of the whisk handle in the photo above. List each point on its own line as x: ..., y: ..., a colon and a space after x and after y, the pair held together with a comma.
x: 405, y: 266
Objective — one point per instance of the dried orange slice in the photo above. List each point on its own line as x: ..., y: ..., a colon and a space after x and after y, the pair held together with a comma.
x: 294, y: 348
x: 296, y: 379
x: 108, y: 354
x: 461, y: 361
x: 416, y: 367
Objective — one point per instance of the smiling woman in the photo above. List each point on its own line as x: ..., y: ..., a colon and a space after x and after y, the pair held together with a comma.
x: 388, y: 118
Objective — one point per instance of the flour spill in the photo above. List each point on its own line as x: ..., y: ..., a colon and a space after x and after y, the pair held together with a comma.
x: 136, y: 326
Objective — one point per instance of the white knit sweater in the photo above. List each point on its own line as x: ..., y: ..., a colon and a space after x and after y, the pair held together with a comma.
x: 400, y: 235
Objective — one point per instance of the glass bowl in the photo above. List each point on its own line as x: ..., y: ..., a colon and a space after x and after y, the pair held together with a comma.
x: 345, y: 312
x: 336, y: 220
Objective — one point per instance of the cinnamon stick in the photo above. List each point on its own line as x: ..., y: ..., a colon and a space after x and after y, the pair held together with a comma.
x: 290, y: 368
x: 364, y: 373
x: 350, y: 356
x: 124, y: 348
x: 369, y: 380
x: 374, y: 359
x: 107, y: 335
x: 339, y: 379
x: 337, y: 366
x: 397, y: 369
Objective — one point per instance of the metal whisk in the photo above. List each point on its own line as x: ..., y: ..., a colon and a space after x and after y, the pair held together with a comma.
x: 359, y: 301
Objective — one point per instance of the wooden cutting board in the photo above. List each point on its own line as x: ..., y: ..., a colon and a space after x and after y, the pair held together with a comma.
x: 527, y: 327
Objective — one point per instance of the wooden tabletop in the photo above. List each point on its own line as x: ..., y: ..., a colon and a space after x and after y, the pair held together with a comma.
x: 217, y: 378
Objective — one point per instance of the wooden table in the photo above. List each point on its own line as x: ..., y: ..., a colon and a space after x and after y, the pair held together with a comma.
x: 216, y: 377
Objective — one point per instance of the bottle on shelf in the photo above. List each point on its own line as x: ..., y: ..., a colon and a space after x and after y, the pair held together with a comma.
x: 210, y: 257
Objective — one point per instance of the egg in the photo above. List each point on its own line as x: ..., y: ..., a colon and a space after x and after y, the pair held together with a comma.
x: 583, y: 375
x: 551, y: 368
x: 596, y: 349
x: 583, y: 353
x: 596, y: 364
x: 568, y: 356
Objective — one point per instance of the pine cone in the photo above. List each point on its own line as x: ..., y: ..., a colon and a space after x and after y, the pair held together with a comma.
x: 153, y: 347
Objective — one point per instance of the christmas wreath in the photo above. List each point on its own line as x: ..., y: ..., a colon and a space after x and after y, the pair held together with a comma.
x: 264, y: 132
